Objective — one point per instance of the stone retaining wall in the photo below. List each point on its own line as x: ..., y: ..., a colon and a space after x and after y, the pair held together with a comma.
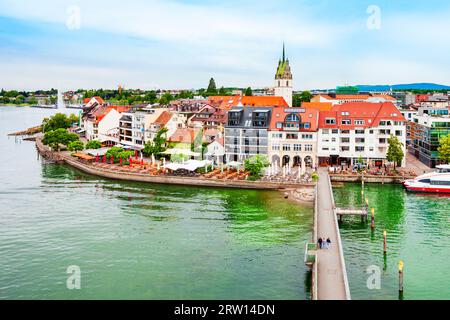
x: 368, y: 178
x: 187, y: 181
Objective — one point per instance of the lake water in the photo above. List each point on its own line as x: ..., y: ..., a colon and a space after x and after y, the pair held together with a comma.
x: 418, y: 232
x: 142, y: 241
x: 139, y: 241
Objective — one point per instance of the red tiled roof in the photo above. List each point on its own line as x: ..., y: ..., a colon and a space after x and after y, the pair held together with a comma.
x: 371, y: 113
x: 99, y: 100
x: 321, y: 106
x: 182, y: 135
x: 163, y: 118
x: 311, y: 116
x: 384, y: 96
x: 102, y: 111
x: 227, y: 102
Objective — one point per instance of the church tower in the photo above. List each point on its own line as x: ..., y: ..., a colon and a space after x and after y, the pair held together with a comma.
x: 283, y: 79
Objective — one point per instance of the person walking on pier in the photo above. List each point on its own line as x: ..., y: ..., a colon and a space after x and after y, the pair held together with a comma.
x: 328, y: 243
x: 320, y: 243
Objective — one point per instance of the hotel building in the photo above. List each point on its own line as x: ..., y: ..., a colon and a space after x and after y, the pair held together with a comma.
x: 358, y: 130
x: 293, y: 137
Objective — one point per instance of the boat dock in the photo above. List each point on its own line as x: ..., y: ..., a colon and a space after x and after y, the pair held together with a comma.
x: 328, y: 266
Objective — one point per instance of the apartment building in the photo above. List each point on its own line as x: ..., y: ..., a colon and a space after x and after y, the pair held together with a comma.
x: 135, y: 125
x: 167, y: 119
x: 338, y: 99
x: 293, y: 137
x: 359, y: 130
x: 102, y: 123
x: 425, y: 131
x: 246, y: 132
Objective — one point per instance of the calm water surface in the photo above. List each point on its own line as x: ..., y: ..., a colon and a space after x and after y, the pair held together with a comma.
x: 139, y: 241
x: 418, y: 232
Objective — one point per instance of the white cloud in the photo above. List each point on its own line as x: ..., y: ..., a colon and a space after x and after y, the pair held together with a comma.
x: 173, y: 21
x: 237, y: 44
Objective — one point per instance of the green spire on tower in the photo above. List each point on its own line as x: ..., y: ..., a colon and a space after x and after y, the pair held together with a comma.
x: 284, y: 55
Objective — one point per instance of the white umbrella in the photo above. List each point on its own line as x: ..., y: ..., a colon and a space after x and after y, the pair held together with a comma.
x: 234, y: 164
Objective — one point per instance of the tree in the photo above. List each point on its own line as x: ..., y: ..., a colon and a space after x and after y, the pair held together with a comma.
x: 249, y: 92
x: 166, y: 98
x: 20, y: 99
x: 222, y: 92
x: 256, y: 164
x: 212, y: 89
x: 75, y: 146
x: 93, y: 144
x: 150, y: 97
x: 32, y: 101
x: 395, y: 151
x: 305, y: 96
x: 157, y: 146
x: 297, y: 99
x: 58, y: 121
x: 184, y: 95
x: 444, y: 149
x: 59, y: 136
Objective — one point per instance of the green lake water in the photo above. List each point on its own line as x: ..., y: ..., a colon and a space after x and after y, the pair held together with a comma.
x: 139, y: 241
x: 418, y: 232
x: 142, y: 241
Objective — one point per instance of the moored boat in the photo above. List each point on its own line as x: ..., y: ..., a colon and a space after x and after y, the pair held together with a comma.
x: 433, y: 182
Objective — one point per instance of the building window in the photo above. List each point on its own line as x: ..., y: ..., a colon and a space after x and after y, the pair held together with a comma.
x: 359, y: 131
x: 297, y: 147
x: 359, y: 122
x: 345, y: 131
x: 346, y: 122
x: 286, y: 147
x: 276, y: 147
x: 335, y: 131
x: 306, y: 125
x: 292, y: 136
x: 359, y: 149
x: 308, y: 147
x: 346, y: 148
x: 330, y: 120
x: 325, y: 131
x: 307, y: 136
x: 345, y: 140
x: 292, y: 117
x: 398, y: 133
x: 360, y: 140
x: 277, y: 135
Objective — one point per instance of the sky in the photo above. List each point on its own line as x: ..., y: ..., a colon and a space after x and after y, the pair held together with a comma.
x: 175, y: 44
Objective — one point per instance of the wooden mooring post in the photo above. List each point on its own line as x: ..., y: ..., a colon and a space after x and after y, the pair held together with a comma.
x: 372, y: 218
x: 400, y: 276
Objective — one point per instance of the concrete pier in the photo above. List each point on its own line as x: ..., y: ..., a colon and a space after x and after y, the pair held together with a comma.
x: 331, y: 274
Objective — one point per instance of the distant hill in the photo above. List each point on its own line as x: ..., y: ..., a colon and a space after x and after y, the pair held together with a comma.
x: 411, y: 86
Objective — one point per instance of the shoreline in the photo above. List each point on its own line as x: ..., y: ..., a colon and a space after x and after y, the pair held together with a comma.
x: 45, y: 152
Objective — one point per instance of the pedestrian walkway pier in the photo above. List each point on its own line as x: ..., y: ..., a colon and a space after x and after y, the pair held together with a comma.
x: 328, y: 266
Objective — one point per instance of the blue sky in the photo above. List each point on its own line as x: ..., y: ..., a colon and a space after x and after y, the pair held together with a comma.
x: 181, y: 44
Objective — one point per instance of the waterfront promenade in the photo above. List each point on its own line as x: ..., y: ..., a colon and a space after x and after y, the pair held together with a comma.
x: 113, y: 173
x: 332, y: 283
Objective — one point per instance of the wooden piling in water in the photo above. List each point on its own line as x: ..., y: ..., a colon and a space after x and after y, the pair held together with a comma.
x: 384, y: 241
x: 400, y: 276
x: 372, y: 218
